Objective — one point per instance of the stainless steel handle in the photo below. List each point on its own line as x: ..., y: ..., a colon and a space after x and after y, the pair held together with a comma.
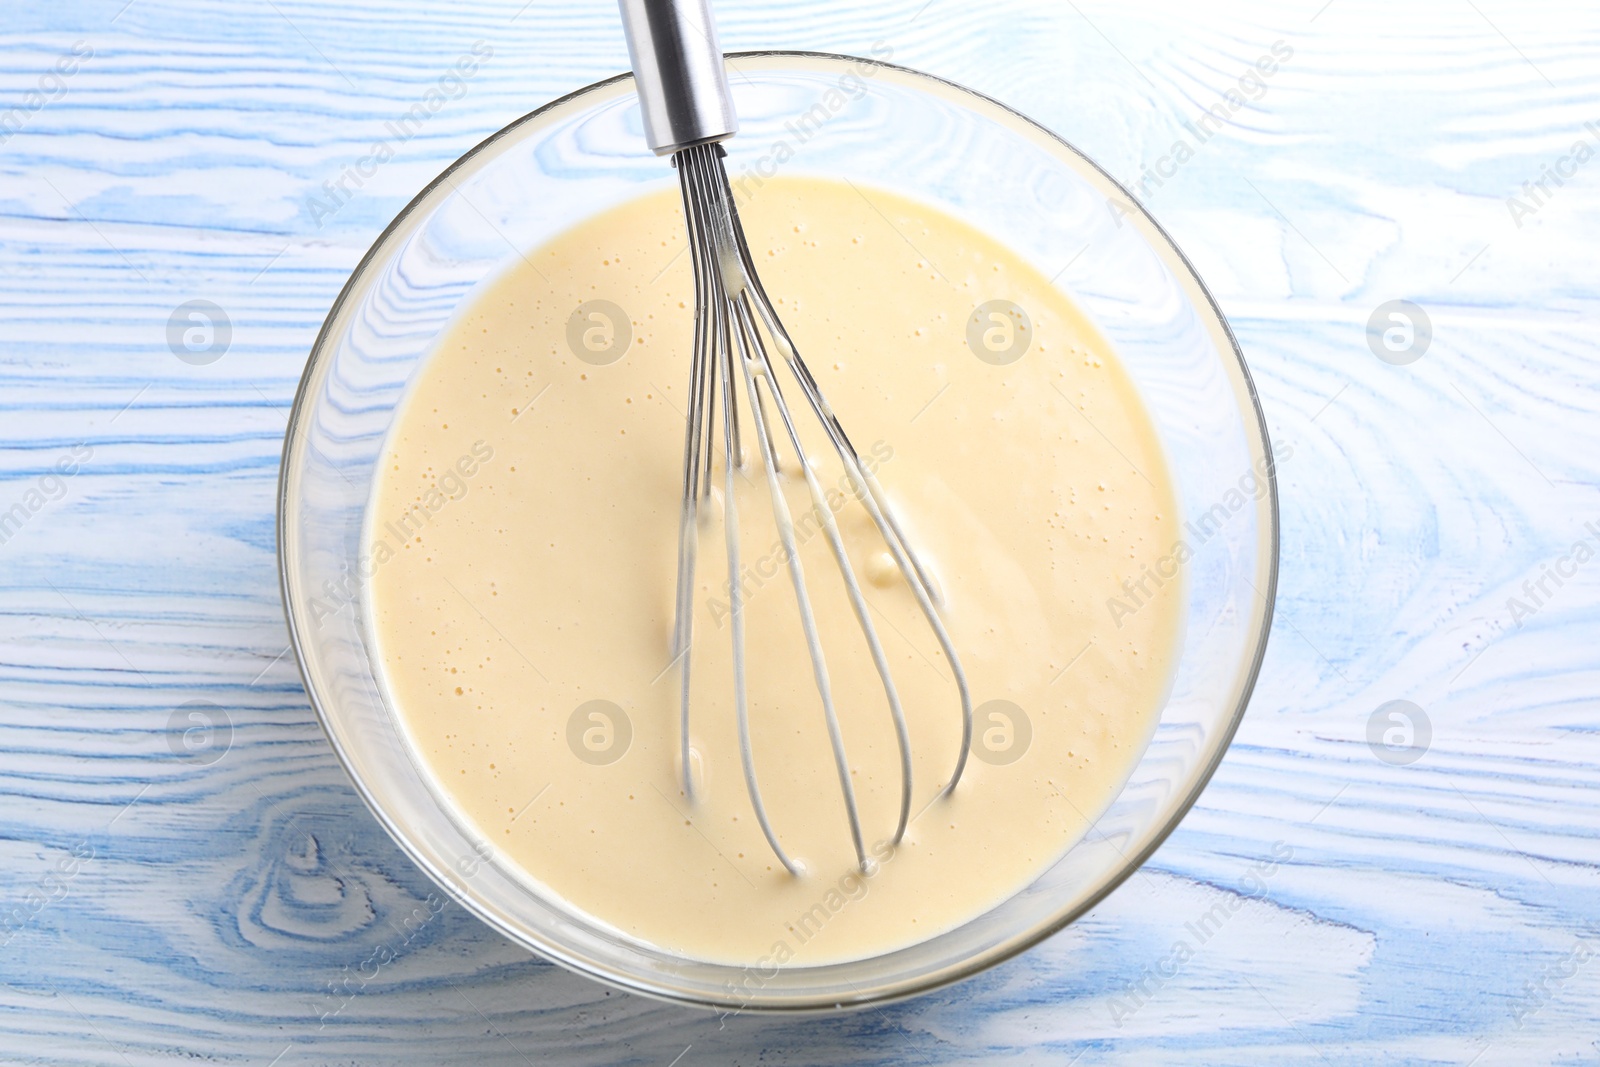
x: 683, y: 85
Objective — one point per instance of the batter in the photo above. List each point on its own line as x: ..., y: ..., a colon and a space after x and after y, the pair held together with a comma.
x: 524, y: 540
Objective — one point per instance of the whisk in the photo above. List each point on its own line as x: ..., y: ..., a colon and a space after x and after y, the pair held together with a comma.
x: 688, y: 110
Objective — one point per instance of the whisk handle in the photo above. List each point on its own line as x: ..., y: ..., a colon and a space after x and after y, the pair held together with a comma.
x: 683, y: 86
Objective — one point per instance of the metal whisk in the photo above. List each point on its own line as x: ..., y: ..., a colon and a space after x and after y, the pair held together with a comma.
x: 688, y: 109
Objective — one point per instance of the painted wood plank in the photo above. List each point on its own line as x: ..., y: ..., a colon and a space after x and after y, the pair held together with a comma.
x: 165, y: 908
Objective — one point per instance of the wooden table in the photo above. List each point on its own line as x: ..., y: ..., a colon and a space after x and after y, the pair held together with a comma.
x: 187, y: 876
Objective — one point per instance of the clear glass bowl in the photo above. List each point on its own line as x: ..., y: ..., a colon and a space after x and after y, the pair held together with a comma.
x: 838, y: 117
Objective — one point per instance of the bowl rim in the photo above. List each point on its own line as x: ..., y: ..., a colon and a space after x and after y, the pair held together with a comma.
x: 791, y: 1004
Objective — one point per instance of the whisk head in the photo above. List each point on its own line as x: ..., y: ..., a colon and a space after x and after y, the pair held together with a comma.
x: 736, y: 331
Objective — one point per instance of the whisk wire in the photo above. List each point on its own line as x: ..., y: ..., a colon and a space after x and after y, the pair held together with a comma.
x: 749, y: 352
x: 732, y: 311
x: 868, y: 491
x: 858, y: 601
x: 713, y: 353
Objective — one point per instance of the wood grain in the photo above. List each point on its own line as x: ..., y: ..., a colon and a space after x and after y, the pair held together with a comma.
x: 223, y: 903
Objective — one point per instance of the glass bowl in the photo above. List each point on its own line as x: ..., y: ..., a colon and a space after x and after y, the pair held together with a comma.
x: 835, y: 116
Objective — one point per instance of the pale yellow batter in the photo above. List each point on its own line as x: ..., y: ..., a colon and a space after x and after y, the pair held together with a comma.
x: 524, y: 545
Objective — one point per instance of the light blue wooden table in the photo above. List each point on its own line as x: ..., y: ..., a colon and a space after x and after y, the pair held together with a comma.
x: 187, y: 876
